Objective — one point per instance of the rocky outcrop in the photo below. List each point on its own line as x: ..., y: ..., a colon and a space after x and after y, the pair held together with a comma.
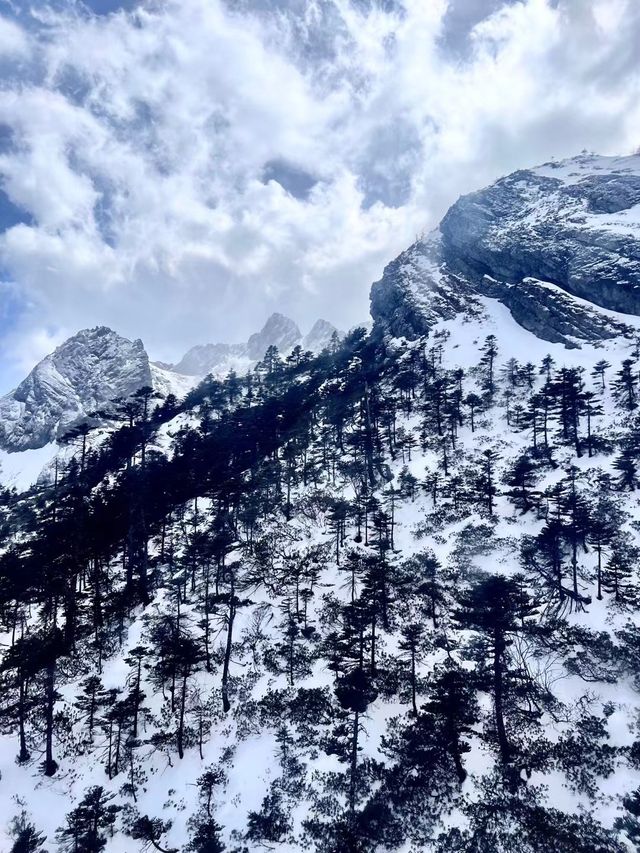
x: 320, y: 335
x: 207, y: 358
x: 85, y: 372
x: 416, y: 291
x: 278, y: 331
x: 553, y: 244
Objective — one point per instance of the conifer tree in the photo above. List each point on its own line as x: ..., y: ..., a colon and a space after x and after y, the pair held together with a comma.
x: 452, y: 701
x: 489, y: 352
x: 86, y: 824
x: 498, y: 609
x: 26, y: 838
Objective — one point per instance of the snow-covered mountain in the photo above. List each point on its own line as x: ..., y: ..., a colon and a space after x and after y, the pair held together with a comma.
x: 84, y: 373
x: 97, y: 365
x: 556, y: 245
x: 385, y: 601
x: 279, y: 331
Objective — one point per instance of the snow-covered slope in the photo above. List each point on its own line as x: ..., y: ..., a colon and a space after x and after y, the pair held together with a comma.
x: 311, y: 559
x: 243, y: 749
x: 166, y: 381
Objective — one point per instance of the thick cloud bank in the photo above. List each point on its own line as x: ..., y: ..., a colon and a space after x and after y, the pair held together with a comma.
x: 180, y: 169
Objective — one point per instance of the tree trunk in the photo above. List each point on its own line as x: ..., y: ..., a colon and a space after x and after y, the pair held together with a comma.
x: 414, y: 704
x: 498, y: 697
x: 50, y: 765
x: 353, y: 777
x: 226, y: 705
x: 23, y: 755
x: 183, y: 699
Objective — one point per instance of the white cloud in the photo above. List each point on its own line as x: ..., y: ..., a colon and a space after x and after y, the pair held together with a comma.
x: 137, y: 144
x: 13, y: 40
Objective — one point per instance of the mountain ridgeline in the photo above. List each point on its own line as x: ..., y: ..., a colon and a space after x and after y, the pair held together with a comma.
x: 376, y: 594
x: 553, y: 244
x: 97, y: 366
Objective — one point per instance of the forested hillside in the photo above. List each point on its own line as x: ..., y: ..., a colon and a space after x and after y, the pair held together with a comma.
x: 384, y: 598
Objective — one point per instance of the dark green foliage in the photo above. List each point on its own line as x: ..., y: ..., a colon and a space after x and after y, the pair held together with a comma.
x: 26, y: 838
x: 271, y: 824
x: 629, y: 824
x: 585, y: 756
x: 150, y: 830
x: 264, y: 550
x: 205, y: 838
x: 502, y: 821
x: 87, y: 824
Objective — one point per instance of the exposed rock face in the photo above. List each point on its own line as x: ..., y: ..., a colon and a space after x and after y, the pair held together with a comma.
x: 85, y: 372
x: 278, y: 331
x: 206, y: 358
x: 97, y: 366
x: 551, y: 243
x: 319, y: 337
x: 416, y: 290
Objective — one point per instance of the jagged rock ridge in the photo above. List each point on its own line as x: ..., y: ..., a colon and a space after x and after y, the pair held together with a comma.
x: 85, y: 372
x: 97, y: 365
x: 554, y: 244
x: 279, y: 331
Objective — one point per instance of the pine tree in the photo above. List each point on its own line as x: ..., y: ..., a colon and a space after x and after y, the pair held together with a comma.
x: 603, y: 525
x: 599, y: 370
x: 498, y: 609
x: 474, y: 403
x: 150, y: 831
x: 520, y: 481
x: 618, y: 576
x: 355, y: 692
x: 26, y: 838
x: 86, y: 824
x: 574, y: 509
x: 489, y: 352
x: 452, y: 701
x: 206, y: 837
x: 486, y: 480
x: 412, y: 645
x: 625, y: 385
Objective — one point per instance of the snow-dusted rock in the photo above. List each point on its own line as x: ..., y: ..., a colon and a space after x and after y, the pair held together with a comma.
x: 319, y: 337
x: 85, y: 372
x: 208, y: 358
x: 553, y: 244
x: 279, y: 331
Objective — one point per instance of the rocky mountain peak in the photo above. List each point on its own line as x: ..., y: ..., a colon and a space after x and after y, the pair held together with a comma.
x: 555, y: 244
x: 87, y: 370
x: 319, y: 336
x: 279, y: 331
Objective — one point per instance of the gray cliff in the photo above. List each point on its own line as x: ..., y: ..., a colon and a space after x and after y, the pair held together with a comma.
x: 554, y: 244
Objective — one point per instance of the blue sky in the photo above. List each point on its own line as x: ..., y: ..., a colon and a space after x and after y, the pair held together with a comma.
x: 103, y: 7
x: 179, y: 169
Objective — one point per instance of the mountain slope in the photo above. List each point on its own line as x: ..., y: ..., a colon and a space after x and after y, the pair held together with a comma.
x: 382, y: 599
x: 535, y: 240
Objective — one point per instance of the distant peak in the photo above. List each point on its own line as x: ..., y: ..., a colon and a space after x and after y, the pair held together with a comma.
x: 278, y: 331
x: 320, y: 335
x: 280, y: 321
x: 87, y: 370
